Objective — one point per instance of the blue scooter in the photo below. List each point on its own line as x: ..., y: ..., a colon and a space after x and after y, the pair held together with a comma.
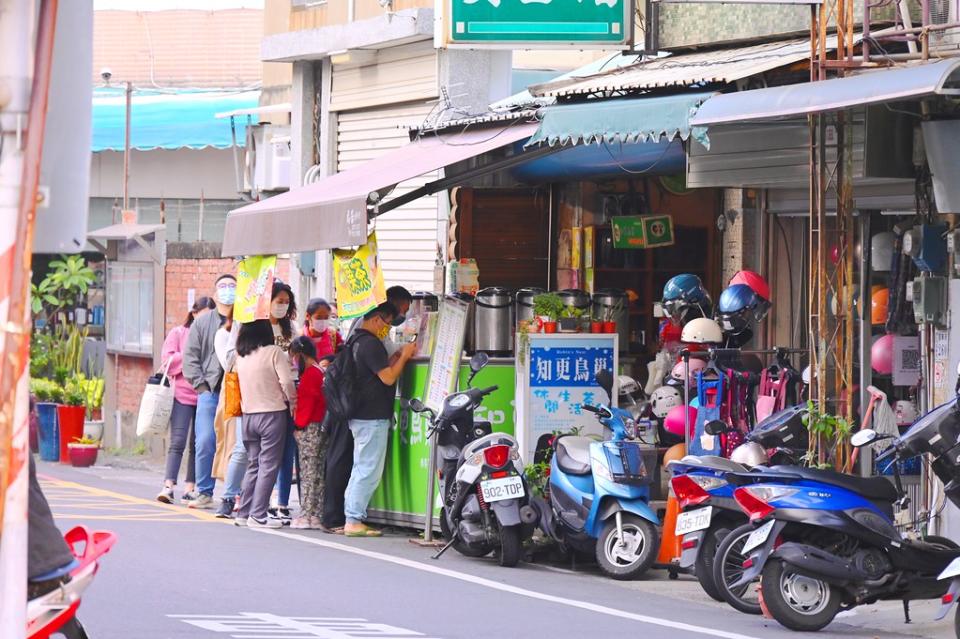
x: 599, y: 495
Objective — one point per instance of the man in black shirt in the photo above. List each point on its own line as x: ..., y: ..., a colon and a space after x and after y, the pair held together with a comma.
x: 370, y: 422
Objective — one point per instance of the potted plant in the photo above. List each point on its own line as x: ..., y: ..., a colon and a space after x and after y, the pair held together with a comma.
x: 83, y: 451
x: 70, y: 416
x: 548, y: 307
x: 596, y: 324
x: 48, y: 395
x: 609, y: 317
x: 93, y: 400
x: 570, y: 319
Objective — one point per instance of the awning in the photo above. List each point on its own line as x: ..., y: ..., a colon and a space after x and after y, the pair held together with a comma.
x: 889, y: 85
x: 630, y: 120
x: 126, y: 232
x: 332, y: 213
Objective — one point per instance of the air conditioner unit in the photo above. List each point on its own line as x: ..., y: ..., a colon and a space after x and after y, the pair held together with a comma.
x: 944, y: 12
x: 271, y: 169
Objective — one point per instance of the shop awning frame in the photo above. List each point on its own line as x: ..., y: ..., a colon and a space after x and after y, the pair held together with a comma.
x: 889, y: 85
x: 334, y: 211
x: 127, y: 232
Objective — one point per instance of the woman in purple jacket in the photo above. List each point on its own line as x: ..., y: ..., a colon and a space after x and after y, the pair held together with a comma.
x: 184, y: 407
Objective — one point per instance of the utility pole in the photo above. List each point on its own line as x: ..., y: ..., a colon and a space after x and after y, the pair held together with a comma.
x: 126, y: 150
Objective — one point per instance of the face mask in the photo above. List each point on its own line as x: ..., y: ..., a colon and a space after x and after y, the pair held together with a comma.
x: 399, y: 320
x: 226, y: 295
x: 279, y: 311
x: 319, y: 325
x: 383, y: 332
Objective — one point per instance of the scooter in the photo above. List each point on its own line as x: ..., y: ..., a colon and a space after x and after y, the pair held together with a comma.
x: 599, y: 494
x: 56, y: 611
x: 484, y: 494
x: 827, y: 541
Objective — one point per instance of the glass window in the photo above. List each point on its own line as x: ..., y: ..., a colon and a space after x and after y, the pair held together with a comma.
x: 130, y: 307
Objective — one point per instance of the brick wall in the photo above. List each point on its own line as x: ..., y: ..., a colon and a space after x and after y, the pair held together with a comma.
x: 132, y: 374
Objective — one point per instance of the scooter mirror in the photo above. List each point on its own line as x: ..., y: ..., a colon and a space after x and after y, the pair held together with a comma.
x: 478, y: 361
x: 715, y: 427
x: 605, y: 380
x: 416, y: 405
x: 863, y: 437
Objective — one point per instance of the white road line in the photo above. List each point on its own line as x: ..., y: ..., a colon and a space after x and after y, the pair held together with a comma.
x: 495, y: 585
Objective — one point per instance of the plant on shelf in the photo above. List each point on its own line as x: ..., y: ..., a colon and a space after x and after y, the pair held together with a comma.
x: 548, y: 305
x: 570, y: 318
x: 829, y: 439
x: 64, y: 286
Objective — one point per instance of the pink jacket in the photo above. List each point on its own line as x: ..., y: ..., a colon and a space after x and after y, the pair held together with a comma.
x: 173, y: 348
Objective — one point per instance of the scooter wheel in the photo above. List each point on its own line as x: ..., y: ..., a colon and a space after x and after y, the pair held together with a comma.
x: 467, y: 550
x: 511, y: 546
x: 796, y: 601
x: 956, y: 623
x: 631, y: 557
x: 72, y: 629
x: 703, y: 566
x: 728, y: 568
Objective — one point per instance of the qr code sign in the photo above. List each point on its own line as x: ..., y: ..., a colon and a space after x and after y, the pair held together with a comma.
x: 910, y: 360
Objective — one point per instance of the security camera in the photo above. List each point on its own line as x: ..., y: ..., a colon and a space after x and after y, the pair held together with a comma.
x: 106, y: 74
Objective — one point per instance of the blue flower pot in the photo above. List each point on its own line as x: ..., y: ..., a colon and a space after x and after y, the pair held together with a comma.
x: 49, y: 432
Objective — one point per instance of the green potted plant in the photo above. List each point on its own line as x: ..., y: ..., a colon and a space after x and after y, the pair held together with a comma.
x: 48, y: 395
x: 83, y: 451
x: 93, y: 400
x: 71, y: 415
x: 596, y: 324
x: 609, y: 317
x: 547, y: 307
x: 570, y: 319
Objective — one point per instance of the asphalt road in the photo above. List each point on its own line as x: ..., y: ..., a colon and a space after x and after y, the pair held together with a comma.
x: 176, y: 573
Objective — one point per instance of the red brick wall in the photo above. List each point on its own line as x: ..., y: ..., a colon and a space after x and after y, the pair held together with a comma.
x: 132, y: 374
x: 200, y: 275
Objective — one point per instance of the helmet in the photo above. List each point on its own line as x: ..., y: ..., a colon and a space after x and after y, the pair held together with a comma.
x: 669, y: 332
x: 754, y: 281
x: 749, y: 454
x: 674, y: 453
x: 737, y: 308
x: 906, y: 412
x: 881, y: 251
x: 702, y: 331
x: 663, y: 399
x: 881, y: 355
x: 676, y: 419
x: 879, y: 305
x: 695, y: 366
x: 807, y: 375
x: 682, y: 295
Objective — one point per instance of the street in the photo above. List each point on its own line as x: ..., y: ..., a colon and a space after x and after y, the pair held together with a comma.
x: 178, y: 573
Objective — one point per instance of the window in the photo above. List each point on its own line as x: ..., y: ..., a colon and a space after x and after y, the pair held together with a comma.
x: 130, y: 307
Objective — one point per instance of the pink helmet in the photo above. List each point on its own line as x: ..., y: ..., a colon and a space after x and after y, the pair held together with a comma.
x: 674, y: 421
x: 754, y: 281
x: 695, y: 365
x: 881, y: 355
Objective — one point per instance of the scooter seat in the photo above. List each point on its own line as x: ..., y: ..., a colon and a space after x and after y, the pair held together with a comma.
x: 873, y: 488
x: 573, y: 454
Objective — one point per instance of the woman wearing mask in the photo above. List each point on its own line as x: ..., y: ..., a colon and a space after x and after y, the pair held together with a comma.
x: 267, y: 398
x: 319, y: 328
x: 283, y: 308
x: 184, y: 407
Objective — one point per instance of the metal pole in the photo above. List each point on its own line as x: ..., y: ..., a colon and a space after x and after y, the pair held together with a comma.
x: 686, y: 401
x: 431, y: 488
x: 126, y: 149
x: 866, y: 374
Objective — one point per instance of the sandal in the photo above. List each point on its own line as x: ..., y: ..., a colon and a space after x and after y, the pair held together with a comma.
x: 362, y: 531
x: 337, y: 530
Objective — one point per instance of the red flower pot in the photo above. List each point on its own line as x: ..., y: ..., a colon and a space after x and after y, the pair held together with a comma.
x: 83, y: 455
x: 71, y: 428
x: 596, y: 327
x: 549, y: 327
x: 609, y: 327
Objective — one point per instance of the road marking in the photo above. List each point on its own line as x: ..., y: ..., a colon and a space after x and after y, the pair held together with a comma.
x: 70, y: 496
x: 496, y: 585
x: 263, y: 625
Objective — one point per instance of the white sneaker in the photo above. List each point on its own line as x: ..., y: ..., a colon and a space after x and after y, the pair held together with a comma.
x: 204, y: 502
x: 240, y: 521
x: 165, y: 496
x: 265, y: 523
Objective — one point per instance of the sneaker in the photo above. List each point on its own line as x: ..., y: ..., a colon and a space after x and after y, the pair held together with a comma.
x: 240, y: 521
x: 204, y: 502
x: 186, y: 498
x: 225, y: 510
x: 165, y: 496
x: 269, y: 522
x: 280, y: 513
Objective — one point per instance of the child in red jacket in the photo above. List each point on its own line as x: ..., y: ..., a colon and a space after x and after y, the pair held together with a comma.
x: 311, y: 441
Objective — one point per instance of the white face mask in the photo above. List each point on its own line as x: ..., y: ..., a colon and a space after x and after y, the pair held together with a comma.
x: 319, y: 325
x: 279, y: 311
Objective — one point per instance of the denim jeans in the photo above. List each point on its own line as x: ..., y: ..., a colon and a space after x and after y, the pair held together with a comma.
x: 285, y: 478
x: 181, y: 421
x: 369, y: 454
x: 237, y: 465
x: 206, y: 438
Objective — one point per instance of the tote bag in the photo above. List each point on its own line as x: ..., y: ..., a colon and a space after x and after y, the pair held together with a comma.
x: 231, y: 392
x: 156, y: 404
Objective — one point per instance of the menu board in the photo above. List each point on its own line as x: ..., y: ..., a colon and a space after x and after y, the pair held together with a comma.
x: 447, y: 352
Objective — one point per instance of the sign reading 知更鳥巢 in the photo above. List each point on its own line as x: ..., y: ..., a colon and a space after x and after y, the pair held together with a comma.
x: 599, y: 23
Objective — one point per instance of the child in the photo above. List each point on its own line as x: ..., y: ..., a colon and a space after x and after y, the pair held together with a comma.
x: 311, y: 441
x: 318, y: 327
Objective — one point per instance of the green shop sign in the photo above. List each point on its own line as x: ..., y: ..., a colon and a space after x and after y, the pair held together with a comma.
x: 642, y: 231
x: 598, y: 23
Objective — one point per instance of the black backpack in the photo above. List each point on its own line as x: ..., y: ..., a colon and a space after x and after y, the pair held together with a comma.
x: 340, y: 381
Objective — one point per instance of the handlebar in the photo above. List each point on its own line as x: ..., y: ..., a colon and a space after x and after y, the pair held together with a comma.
x: 592, y: 409
x: 887, y: 454
x: 489, y: 389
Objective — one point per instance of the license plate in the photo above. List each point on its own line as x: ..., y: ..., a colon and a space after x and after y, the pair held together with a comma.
x: 503, y: 488
x: 758, y: 537
x: 693, y: 521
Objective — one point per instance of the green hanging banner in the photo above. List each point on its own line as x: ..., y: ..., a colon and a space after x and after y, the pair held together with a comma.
x: 642, y: 231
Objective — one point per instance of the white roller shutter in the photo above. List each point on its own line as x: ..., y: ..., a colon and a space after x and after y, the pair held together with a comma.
x: 408, y: 235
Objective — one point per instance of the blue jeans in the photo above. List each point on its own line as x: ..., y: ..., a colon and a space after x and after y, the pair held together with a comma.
x: 285, y: 478
x: 206, y: 438
x: 369, y: 454
x: 237, y: 465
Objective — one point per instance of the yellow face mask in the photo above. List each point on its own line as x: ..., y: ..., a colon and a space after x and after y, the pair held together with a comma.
x: 383, y: 332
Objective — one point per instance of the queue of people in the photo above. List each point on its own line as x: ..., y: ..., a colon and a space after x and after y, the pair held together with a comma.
x: 284, y: 423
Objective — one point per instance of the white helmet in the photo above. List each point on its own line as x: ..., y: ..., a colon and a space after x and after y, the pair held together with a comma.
x: 663, y: 399
x: 881, y: 251
x: 749, y: 454
x: 807, y: 375
x: 702, y: 331
x: 906, y: 412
